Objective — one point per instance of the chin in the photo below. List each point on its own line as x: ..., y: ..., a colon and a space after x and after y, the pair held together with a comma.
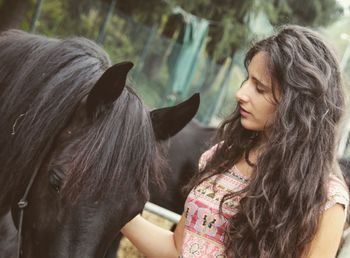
x: 257, y: 125
x: 251, y: 126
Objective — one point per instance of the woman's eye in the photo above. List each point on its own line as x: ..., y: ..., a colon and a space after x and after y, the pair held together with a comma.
x: 259, y: 90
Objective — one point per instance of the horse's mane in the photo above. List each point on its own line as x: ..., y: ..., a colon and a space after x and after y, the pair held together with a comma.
x: 42, y: 82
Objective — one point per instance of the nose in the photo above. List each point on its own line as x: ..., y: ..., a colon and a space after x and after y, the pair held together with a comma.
x: 242, y: 94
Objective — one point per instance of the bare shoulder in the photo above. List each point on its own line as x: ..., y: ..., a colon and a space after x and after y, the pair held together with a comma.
x: 206, y: 156
x: 331, y: 227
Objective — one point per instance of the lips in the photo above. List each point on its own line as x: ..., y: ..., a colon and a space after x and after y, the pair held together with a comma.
x: 243, y: 112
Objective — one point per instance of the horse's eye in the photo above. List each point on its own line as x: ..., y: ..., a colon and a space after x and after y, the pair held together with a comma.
x: 55, y: 180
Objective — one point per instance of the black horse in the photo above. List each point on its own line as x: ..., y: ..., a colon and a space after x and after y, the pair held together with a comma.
x: 185, y: 149
x: 78, y: 147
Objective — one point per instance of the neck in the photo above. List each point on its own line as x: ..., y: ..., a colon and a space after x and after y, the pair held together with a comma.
x: 248, y: 161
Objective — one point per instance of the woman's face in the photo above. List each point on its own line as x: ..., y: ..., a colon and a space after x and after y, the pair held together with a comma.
x: 257, y: 105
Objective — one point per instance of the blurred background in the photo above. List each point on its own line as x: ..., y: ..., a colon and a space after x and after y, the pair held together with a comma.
x: 180, y: 47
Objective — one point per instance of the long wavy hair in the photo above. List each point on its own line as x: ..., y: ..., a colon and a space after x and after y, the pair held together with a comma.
x: 279, y: 211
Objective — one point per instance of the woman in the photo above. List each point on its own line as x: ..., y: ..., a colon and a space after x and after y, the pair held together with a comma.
x: 272, y: 187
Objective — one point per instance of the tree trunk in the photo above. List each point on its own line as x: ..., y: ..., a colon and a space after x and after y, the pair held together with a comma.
x: 12, y: 13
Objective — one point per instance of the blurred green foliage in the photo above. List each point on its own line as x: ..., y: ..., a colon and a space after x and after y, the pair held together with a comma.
x: 145, y: 32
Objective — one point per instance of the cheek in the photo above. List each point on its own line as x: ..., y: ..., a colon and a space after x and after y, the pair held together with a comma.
x: 267, y: 111
x: 266, y: 107
x: 271, y: 110
x: 270, y: 113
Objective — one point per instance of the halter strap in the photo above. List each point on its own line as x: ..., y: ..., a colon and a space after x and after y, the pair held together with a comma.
x: 23, y: 202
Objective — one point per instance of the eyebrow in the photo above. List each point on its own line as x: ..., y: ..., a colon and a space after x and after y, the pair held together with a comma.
x: 260, y: 82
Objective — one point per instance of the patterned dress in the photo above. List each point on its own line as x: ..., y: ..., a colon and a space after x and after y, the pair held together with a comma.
x: 204, y: 226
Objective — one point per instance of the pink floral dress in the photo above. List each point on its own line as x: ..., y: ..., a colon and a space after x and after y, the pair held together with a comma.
x: 204, y: 226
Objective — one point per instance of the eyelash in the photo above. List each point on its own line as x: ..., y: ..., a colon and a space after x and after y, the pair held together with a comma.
x: 259, y: 90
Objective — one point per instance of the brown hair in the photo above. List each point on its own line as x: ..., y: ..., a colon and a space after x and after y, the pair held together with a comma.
x: 279, y: 212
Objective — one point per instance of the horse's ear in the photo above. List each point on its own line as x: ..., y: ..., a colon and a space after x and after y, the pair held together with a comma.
x: 170, y: 120
x: 108, y: 87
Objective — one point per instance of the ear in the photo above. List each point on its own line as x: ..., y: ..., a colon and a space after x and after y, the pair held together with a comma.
x: 108, y: 87
x: 169, y: 121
